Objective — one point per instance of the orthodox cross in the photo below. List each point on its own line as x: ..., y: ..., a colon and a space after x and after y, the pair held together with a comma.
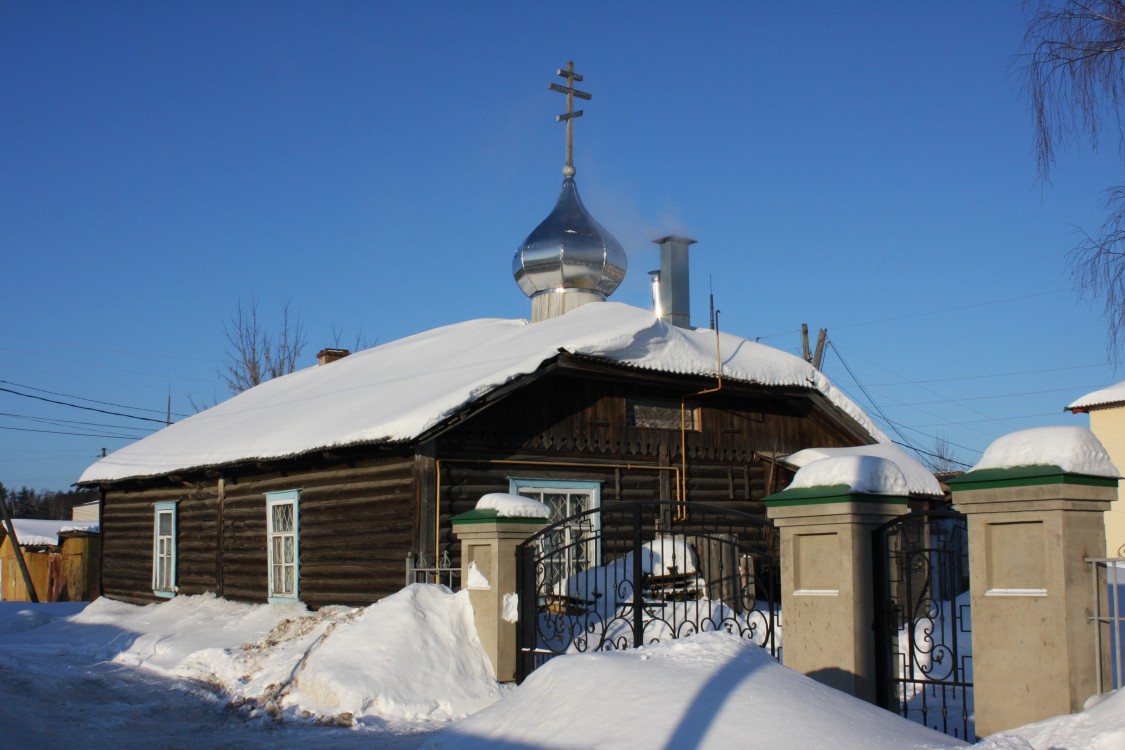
x: 571, y: 92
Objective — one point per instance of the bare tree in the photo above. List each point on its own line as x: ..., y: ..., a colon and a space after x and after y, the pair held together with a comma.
x: 1075, y: 77
x: 253, y: 354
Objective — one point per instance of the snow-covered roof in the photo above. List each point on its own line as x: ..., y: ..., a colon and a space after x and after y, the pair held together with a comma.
x: 1111, y: 395
x: 36, y: 531
x: 919, y: 481
x: 1075, y: 450
x: 398, y: 391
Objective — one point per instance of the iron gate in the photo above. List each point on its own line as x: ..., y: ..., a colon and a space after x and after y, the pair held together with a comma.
x: 923, y: 644
x: 695, y: 567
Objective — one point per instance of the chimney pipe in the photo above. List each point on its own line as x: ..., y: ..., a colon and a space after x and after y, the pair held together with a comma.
x: 675, y: 294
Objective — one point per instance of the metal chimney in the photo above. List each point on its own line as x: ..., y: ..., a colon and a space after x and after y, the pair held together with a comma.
x: 675, y: 294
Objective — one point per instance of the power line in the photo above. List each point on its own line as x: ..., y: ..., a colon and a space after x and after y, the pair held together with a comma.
x: 923, y: 314
x: 996, y: 375
x: 870, y: 400
x: 64, y: 422
x: 77, y: 434
x: 91, y: 400
x: 78, y: 406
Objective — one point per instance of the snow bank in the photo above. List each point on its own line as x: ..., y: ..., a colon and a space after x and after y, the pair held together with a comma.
x: 1101, y: 727
x: 1073, y: 449
x: 869, y: 475
x: 413, y: 657
x: 34, y: 531
x: 712, y: 691
x: 919, y: 480
x: 513, y: 506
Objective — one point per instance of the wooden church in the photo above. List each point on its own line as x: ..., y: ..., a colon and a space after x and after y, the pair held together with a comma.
x: 316, y: 486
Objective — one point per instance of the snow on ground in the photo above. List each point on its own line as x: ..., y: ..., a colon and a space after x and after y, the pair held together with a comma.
x: 205, y: 672
x: 712, y: 690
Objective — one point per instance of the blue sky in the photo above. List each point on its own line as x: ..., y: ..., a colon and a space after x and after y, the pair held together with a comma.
x: 865, y: 168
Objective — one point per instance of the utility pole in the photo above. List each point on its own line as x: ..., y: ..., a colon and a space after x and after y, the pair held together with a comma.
x: 18, y: 553
x: 821, y: 340
x: 805, y: 342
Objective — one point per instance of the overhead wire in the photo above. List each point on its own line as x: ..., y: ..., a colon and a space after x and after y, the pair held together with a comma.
x: 874, y: 405
x: 91, y: 400
x: 79, y: 406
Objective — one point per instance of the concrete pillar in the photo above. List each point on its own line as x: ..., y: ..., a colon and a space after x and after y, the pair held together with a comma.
x: 488, y: 571
x: 826, y: 582
x: 1033, y: 645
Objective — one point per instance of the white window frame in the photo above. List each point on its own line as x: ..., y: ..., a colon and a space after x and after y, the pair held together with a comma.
x: 164, y: 550
x: 536, y: 488
x: 273, y: 500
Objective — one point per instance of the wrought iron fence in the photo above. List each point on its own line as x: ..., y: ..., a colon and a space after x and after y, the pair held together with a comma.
x: 923, y: 643
x: 444, y: 572
x: 1107, y: 576
x: 628, y: 574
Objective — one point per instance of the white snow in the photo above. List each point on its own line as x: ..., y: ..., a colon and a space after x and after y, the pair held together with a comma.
x: 204, y: 672
x: 36, y: 531
x: 709, y: 691
x: 397, y: 391
x: 1114, y: 394
x: 1073, y: 449
x: 919, y: 480
x: 476, y: 579
x: 1100, y: 727
x: 513, y: 506
x: 870, y: 475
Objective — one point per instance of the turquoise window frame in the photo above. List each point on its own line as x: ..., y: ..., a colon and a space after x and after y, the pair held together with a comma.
x: 273, y: 499
x: 159, y: 509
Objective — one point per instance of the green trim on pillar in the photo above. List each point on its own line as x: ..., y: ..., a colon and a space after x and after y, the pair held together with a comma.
x: 836, y: 493
x: 1025, y: 476
x: 490, y: 515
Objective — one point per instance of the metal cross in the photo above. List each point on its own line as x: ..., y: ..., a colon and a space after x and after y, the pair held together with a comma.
x: 568, y: 117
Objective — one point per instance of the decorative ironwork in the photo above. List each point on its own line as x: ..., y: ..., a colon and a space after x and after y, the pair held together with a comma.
x: 922, y: 626
x: 444, y: 572
x: 627, y: 574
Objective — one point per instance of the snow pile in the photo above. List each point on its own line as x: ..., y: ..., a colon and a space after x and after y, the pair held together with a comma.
x: 1075, y: 450
x: 412, y: 657
x: 34, y: 531
x: 513, y: 506
x: 870, y: 475
x: 398, y: 391
x: 919, y: 480
x: 710, y: 691
x: 1100, y: 727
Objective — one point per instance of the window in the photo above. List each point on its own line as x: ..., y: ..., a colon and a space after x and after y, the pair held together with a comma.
x: 282, y: 535
x: 164, y: 549
x: 576, y: 541
x: 658, y: 414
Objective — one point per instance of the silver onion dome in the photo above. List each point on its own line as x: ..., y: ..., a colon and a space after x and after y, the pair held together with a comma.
x: 569, y: 250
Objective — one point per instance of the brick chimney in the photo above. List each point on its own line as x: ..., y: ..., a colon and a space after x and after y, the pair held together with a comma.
x: 325, y: 356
